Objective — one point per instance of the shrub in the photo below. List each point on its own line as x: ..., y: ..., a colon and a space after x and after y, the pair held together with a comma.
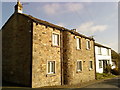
x: 115, y: 71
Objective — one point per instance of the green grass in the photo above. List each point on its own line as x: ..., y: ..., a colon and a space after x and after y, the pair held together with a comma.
x: 104, y: 76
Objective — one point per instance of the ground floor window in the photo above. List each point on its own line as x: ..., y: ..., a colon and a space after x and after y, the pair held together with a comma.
x: 79, y: 65
x: 90, y: 65
x: 51, y: 67
x: 100, y: 63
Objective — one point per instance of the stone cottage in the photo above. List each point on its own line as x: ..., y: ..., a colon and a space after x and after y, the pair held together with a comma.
x: 37, y: 53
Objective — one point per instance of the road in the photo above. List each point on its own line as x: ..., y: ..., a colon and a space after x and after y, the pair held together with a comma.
x: 110, y: 83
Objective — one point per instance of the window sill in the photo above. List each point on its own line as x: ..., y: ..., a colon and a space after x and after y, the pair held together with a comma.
x: 50, y: 74
x: 99, y: 54
x: 90, y: 69
x: 78, y: 71
x: 78, y: 49
x: 55, y: 46
x: 88, y: 49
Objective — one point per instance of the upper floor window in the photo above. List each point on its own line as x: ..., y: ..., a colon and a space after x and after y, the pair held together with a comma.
x: 79, y: 65
x: 99, y: 51
x: 78, y: 42
x: 51, y: 67
x: 108, y: 52
x: 55, y: 39
x: 87, y: 44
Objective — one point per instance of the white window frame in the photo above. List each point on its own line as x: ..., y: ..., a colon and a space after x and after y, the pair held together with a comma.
x: 90, y: 65
x: 79, y: 70
x: 78, y: 43
x: 100, y: 62
x: 55, y: 40
x: 88, y: 45
x: 50, y: 72
x: 99, y: 51
x: 108, y: 52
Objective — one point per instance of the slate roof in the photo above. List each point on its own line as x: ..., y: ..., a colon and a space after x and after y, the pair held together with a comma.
x: 99, y: 45
x: 54, y: 26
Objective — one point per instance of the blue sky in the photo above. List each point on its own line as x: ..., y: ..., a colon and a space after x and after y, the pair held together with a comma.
x: 98, y: 19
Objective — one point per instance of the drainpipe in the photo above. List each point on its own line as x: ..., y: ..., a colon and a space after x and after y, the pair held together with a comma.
x: 61, y: 56
x: 94, y: 59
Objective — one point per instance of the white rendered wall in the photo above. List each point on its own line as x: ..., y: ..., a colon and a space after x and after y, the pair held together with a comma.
x: 103, y: 56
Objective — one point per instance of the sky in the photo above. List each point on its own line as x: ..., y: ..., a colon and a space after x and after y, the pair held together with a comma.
x: 97, y: 19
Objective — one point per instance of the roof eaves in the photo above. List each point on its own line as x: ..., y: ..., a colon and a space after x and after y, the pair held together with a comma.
x: 97, y: 44
x: 55, y: 26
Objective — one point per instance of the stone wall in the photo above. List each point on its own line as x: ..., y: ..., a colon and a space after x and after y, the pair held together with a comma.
x: 71, y: 55
x: 16, y: 50
x: 27, y: 48
x: 44, y: 51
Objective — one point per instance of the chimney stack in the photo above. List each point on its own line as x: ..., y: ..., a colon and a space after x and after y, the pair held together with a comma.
x: 18, y: 7
x: 74, y: 30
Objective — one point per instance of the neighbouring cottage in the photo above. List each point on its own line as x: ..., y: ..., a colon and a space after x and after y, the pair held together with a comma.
x: 37, y: 53
x: 103, y: 57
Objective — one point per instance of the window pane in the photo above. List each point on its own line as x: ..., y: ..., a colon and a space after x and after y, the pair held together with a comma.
x: 48, y: 67
x: 88, y: 44
x: 51, y: 67
x: 108, y: 53
x: 78, y: 43
x: 91, y: 65
x: 100, y: 64
x: 55, y: 39
x: 56, y: 42
x: 99, y: 50
x: 79, y: 65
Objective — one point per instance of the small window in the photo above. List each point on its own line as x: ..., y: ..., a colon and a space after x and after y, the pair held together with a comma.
x: 100, y: 63
x: 78, y: 42
x: 108, y: 52
x: 55, y: 39
x: 79, y: 65
x: 88, y: 44
x: 90, y: 65
x: 51, y: 67
x: 99, y: 51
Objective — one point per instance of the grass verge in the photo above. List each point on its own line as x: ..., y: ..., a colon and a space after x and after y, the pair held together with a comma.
x: 104, y: 76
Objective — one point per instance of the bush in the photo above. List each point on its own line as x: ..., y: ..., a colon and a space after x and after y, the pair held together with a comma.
x: 115, y: 71
x: 108, y: 69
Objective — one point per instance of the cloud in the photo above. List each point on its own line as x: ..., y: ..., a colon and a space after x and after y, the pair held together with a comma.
x: 60, y: 8
x: 73, y: 7
x: 90, y: 27
x: 51, y: 8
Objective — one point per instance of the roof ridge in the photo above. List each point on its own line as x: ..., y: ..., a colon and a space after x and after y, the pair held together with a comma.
x: 54, y: 26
